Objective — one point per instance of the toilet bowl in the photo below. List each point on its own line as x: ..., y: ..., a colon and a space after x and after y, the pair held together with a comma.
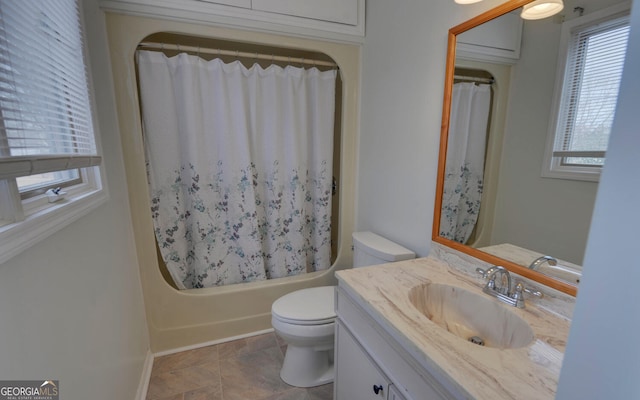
x: 305, y: 319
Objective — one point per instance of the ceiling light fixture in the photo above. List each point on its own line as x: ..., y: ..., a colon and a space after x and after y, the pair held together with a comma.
x: 539, y: 9
x: 467, y: 1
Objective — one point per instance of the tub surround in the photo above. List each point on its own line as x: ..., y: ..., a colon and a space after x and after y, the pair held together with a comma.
x: 463, y: 369
x: 184, y: 318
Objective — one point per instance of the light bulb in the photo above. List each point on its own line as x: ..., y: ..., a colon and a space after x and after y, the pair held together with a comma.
x: 539, y: 9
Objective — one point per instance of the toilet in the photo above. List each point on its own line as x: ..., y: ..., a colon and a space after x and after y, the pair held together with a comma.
x: 305, y: 319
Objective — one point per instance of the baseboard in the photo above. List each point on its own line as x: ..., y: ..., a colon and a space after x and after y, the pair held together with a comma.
x: 143, y: 386
x: 210, y: 343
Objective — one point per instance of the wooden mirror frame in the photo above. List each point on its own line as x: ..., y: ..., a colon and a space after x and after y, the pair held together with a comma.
x: 444, y: 136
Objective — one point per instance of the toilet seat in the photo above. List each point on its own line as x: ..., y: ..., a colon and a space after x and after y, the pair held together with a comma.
x: 313, y: 306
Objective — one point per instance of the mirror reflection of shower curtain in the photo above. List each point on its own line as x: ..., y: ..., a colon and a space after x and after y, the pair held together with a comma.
x: 464, y: 169
x: 239, y: 163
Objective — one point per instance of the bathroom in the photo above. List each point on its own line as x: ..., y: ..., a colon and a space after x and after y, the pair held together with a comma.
x: 72, y: 306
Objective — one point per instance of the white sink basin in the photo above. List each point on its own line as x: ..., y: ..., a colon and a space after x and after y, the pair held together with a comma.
x: 469, y: 315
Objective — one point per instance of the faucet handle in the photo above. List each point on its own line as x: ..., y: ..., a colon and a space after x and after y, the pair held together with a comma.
x: 518, y: 295
x: 481, y: 272
x: 485, y: 274
x: 531, y: 292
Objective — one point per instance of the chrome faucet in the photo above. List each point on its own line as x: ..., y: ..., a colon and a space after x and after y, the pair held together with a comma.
x: 503, y: 291
x: 541, y: 260
x: 490, y: 275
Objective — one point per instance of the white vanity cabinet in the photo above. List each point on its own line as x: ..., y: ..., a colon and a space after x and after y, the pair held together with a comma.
x: 325, y: 19
x: 368, y: 358
x: 360, y: 378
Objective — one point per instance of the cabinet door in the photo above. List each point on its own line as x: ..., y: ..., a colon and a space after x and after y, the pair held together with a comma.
x: 340, y: 11
x: 236, y: 3
x: 357, y: 376
x: 394, y: 394
x: 496, y: 40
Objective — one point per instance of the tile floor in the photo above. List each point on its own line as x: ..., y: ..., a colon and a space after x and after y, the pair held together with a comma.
x: 245, y: 369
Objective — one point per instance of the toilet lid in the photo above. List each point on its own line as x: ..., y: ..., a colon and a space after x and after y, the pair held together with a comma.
x: 311, y: 306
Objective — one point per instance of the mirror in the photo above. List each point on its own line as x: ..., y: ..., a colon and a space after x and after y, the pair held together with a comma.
x: 520, y: 214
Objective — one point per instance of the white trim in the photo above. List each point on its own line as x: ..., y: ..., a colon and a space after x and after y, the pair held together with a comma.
x: 90, y: 178
x: 575, y: 173
x: 19, y: 236
x: 551, y: 167
x: 145, y: 377
x: 211, y: 343
x: 10, y: 201
x: 578, y: 153
x: 16, y: 166
x: 202, y: 12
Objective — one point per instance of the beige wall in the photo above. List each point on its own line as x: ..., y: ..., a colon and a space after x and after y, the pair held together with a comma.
x: 71, y: 307
x: 182, y: 318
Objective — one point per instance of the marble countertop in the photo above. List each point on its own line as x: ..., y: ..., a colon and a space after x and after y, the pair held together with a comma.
x: 565, y: 270
x: 477, y: 372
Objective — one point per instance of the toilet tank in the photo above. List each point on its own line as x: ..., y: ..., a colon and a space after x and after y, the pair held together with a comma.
x: 372, y: 249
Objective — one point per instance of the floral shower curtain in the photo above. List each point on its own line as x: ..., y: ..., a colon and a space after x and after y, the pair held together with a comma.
x: 464, y: 171
x: 239, y: 163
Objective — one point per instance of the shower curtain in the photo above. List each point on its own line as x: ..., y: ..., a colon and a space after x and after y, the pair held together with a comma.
x: 239, y: 164
x: 464, y: 171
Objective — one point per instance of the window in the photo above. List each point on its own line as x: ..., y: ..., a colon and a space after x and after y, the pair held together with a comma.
x: 592, y: 56
x: 49, y: 173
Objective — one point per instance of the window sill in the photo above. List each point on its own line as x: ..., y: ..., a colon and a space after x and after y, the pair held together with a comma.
x: 44, y: 219
x: 574, y: 174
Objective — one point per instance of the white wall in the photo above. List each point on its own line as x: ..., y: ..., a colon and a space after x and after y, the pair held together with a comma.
x: 403, y: 65
x: 71, y: 307
x: 402, y: 84
x: 402, y: 88
x: 602, y: 360
x: 547, y: 215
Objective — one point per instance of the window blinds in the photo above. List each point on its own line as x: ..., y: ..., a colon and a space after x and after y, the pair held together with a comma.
x: 45, y: 112
x: 592, y: 80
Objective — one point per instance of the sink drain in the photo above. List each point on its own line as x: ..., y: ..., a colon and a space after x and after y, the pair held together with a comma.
x: 476, y: 340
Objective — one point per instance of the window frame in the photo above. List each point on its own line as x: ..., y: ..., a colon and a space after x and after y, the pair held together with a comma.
x: 39, y: 189
x: 553, y: 166
x: 26, y: 220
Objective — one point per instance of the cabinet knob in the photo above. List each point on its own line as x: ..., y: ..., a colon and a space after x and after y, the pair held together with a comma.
x: 377, y: 389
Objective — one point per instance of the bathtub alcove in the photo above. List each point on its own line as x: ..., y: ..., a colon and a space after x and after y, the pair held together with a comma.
x: 184, y: 318
x: 499, y: 76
